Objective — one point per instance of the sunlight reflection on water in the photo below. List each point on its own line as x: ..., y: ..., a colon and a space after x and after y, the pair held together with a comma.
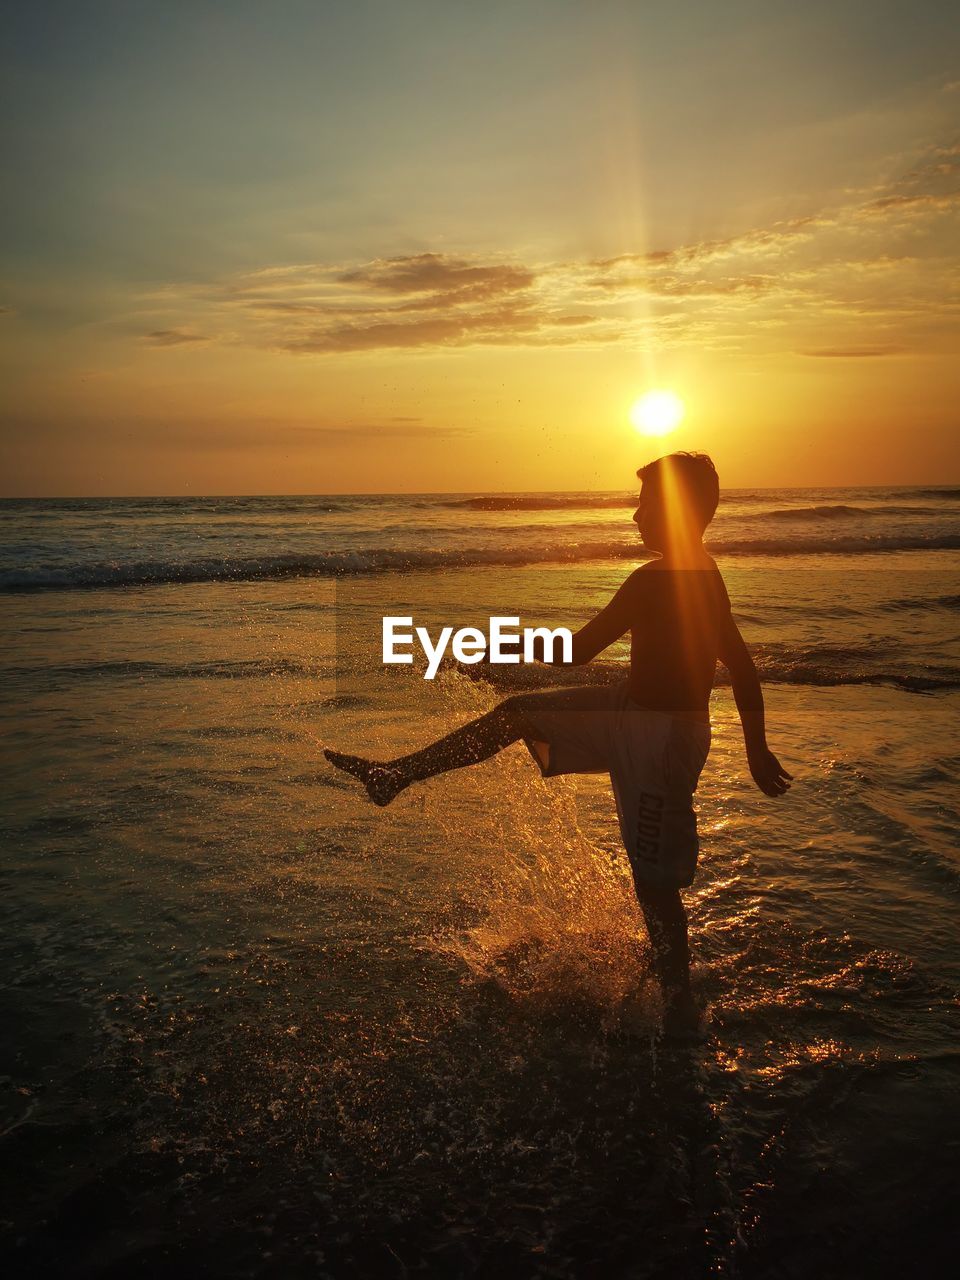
x: 240, y: 985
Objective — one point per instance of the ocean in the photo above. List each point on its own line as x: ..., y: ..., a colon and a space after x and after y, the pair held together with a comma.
x: 253, y: 1026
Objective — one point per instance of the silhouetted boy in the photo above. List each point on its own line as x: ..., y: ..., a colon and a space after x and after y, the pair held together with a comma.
x: 651, y: 732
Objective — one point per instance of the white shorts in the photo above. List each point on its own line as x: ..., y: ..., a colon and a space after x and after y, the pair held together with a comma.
x: 654, y: 761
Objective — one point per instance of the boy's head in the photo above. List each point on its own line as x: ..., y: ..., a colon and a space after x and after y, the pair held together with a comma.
x: 678, y: 499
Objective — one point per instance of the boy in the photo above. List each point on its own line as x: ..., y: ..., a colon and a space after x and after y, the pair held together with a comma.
x: 651, y: 732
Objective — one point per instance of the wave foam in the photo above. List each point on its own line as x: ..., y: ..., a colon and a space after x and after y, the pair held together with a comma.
x: 388, y: 560
x: 542, y: 502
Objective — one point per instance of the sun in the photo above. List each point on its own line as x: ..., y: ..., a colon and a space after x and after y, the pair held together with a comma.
x: 657, y: 413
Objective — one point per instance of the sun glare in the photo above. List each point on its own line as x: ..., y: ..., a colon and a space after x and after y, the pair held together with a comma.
x: 657, y: 413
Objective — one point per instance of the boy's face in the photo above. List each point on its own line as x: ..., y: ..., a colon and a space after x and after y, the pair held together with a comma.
x: 648, y: 518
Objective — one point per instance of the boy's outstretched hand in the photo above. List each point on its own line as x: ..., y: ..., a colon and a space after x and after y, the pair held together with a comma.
x: 768, y: 773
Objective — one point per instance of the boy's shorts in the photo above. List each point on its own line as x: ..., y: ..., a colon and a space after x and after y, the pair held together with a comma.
x: 653, y: 759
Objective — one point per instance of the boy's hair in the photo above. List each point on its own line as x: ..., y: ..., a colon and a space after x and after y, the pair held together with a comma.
x: 693, y: 477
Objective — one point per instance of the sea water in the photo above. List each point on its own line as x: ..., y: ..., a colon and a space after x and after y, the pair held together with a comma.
x: 254, y: 1026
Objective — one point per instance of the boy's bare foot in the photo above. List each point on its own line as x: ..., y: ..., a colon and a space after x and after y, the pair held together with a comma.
x: 382, y: 782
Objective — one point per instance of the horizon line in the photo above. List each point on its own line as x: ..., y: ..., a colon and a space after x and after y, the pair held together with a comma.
x: 440, y: 493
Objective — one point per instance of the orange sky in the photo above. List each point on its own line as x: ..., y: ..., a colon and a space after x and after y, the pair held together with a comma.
x: 320, y: 256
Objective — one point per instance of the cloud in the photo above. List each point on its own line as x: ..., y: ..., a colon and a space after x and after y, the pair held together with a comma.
x: 623, y: 277
x: 297, y: 438
x: 171, y: 338
x: 377, y: 430
x: 384, y: 333
x: 433, y: 273
x: 855, y: 353
x: 487, y: 324
x: 688, y: 256
x: 929, y: 186
x: 920, y: 202
x: 868, y: 276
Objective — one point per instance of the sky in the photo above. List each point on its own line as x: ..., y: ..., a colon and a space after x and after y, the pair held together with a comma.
x: 382, y: 246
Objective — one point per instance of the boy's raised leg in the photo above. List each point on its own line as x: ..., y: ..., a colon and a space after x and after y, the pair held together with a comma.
x: 467, y: 745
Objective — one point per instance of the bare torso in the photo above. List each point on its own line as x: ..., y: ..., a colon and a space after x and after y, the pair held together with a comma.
x: 675, y: 636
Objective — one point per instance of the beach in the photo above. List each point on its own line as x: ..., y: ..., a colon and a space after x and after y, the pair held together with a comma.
x: 254, y: 1026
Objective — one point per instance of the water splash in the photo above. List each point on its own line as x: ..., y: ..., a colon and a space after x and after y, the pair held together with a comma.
x: 548, y: 916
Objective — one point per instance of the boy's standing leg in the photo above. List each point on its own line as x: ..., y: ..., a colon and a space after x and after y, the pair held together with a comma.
x: 666, y: 922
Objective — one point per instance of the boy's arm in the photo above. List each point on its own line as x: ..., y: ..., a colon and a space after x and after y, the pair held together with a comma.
x: 612, y: 622
x: 768, y: 773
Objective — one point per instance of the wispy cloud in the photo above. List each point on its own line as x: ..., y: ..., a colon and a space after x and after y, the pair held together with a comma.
x: 855, y: 353
x: 297, y: 436
x: 171, y: 338
x: 873, y: 276
x: 203, y: 435
x: 449, y: 279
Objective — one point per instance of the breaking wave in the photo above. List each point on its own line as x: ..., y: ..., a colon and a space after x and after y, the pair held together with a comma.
x: 910, y: 603
x: 824, y: 665
x: 543, y: 502
x: 838, y: 512
x: 139, y: 573
x: 809, y: 665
